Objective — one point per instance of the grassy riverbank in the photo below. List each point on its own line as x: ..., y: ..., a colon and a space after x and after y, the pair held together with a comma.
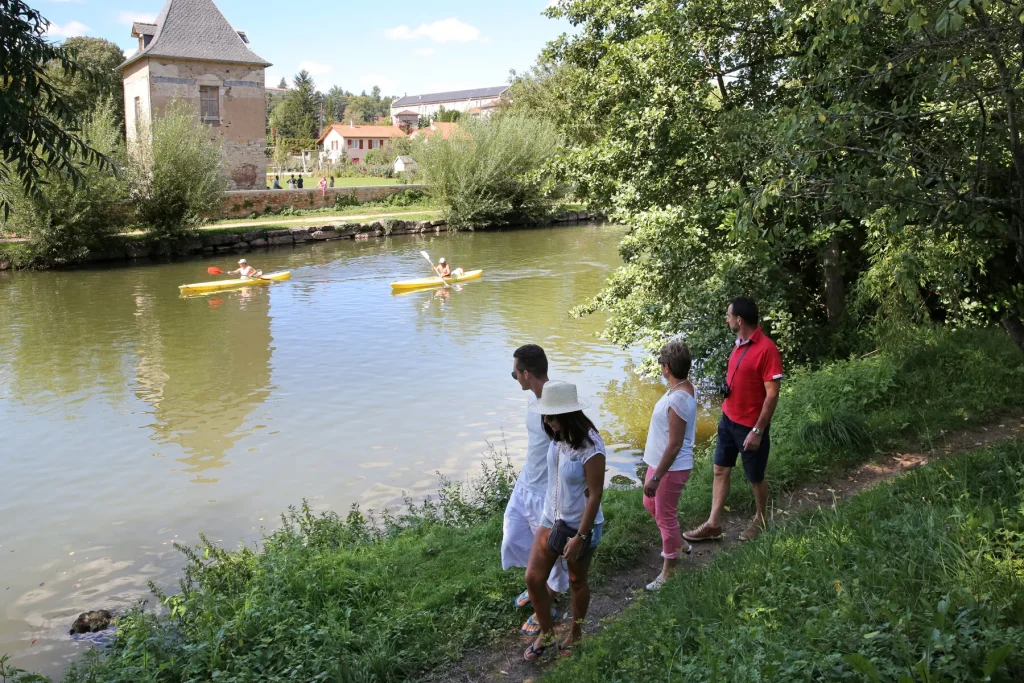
x: 919, y: 579
x: 336, y: 599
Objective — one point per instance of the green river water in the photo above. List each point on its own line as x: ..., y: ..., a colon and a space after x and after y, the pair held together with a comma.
x: 132, y: 418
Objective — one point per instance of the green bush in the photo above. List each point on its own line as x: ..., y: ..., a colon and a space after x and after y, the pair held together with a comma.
x: 488, y: 172
x: 64, y: 222
x: 918, y: 579
x: 176, y: 173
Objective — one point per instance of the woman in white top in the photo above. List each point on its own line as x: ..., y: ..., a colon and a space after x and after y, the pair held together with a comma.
x: 572, y: 522
x: 669, y: 454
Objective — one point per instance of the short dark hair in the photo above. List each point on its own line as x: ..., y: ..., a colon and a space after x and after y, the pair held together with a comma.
x: 575, y: 429
x: 676, y: 355
x: 531, y: 358
x: 744, y: 307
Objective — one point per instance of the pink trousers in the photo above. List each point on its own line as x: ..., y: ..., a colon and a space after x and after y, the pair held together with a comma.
x: 664, y: 507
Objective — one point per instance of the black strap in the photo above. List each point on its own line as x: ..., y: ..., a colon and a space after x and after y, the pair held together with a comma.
x: 737, y: 368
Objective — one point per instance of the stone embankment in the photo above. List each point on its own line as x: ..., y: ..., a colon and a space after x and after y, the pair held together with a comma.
x: 209, y: 242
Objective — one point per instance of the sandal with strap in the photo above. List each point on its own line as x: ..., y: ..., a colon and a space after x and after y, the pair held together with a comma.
x: 566, y: 650
x: 523, y: 600
x: 531, y: 627
x: 533, y: 653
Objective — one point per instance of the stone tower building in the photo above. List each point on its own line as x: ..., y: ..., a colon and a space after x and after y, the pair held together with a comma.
x: 191, y: 53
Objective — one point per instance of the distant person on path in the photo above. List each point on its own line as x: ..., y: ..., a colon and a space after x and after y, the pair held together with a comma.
x: 299, y: 182
x: 330, y: 181
x: 246, y: 271
x: 669, y: 455
x: 751, y: 390
x: 277, y: 182
x: 526, y: 506
x: 323, y: 186
x: 572, y: 523
x: 291, y: 183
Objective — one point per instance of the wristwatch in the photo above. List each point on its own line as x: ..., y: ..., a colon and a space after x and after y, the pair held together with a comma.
x: 756, y: 431
x: 585, y: 537
x: 655, y: 478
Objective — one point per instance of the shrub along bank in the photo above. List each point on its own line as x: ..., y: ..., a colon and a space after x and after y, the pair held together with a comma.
x: 349, y: 599
x: 917, y: 580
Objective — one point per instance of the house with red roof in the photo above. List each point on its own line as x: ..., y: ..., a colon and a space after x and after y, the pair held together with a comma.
x: 355, y: 141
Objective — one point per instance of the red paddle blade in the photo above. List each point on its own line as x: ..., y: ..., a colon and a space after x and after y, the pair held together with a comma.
x: 214, y: 271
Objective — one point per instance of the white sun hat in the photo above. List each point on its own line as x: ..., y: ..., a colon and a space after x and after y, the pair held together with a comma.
x: 241, y: 261
x: 441, y: 260
x: 558, y: 398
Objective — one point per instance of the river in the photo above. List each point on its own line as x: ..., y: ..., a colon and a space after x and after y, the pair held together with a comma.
x: 133, y: 418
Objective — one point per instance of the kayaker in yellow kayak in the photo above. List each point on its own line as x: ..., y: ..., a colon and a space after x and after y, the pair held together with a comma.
x: 445, y: 270
x: 246, y: 271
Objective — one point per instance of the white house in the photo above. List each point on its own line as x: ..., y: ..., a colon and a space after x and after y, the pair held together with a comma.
x: 461, y: 100
x: 405, y: 164
x: 354, y: 141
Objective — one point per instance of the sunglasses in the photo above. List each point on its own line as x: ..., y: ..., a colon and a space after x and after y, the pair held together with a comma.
x: 515, y: 375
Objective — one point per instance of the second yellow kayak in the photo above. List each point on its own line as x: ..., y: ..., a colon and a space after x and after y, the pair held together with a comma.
x: 216, y: 285
x: 434, y: 281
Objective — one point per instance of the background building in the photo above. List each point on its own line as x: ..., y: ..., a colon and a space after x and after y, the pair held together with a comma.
x: 192, y: 54
x: 462, y: 100
x: 355, y: 141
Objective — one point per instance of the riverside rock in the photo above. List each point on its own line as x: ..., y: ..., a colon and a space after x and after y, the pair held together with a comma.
x: 91, y: 622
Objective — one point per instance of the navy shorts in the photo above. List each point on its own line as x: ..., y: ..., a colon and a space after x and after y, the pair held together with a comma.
x: 730, y: 444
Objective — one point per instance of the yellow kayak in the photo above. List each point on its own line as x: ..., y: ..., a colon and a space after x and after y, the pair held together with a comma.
x: 434, y: 281
x: 203, y: 287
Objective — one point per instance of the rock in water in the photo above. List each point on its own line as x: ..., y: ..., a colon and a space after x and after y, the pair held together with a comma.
x: 91, y: 622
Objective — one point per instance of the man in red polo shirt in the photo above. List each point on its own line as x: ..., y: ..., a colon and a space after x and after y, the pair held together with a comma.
x: 752, y: 377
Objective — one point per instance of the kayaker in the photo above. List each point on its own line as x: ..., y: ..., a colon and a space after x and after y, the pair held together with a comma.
x: 246, y: 271
x: 445, y: 270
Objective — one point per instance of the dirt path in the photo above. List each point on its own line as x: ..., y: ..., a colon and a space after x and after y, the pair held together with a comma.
x: 503, y: 661
x: 325, y: 220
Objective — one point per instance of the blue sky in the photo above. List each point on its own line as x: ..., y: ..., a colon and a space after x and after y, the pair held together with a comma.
x: 404, y: 46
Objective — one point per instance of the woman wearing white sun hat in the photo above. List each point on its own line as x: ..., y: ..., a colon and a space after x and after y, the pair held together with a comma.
x: 572, y: 523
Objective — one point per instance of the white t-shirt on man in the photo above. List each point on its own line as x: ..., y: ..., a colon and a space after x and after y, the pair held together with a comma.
x: 683, y: 405
x: 534, y: 475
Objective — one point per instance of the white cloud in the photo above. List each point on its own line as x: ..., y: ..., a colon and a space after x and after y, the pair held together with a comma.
x: 131, y: 17
x: 424, y: 51
x: 443, y: 31
x: 71, y: 29
x: 387, y: 85
x: 128, y: 54
x: 315, y: 68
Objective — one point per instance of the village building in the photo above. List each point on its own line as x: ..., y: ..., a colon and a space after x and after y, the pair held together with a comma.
x: 407, y: 120
x: 442, y: 128
x: 405, y: 164
x: 192, y: 54
x: 458, y: 100
x: 354, y: 141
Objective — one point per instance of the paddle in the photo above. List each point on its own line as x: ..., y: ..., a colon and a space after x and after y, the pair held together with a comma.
x: 213, y: 270
x: 431, y: 262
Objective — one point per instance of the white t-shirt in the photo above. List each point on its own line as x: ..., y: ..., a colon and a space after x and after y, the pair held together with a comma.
x: 683, y: 405
x: 534, y: 476
x: 572, y: 480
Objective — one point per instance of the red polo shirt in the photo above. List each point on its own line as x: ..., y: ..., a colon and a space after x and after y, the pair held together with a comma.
x: 749, y: 369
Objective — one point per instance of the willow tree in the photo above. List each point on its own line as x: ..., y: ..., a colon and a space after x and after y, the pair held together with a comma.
x: 844, y: 161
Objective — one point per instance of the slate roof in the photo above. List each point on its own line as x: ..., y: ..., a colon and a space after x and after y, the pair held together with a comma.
x: 140, y: 28
x: 195, y: 29
x: 435, y: 97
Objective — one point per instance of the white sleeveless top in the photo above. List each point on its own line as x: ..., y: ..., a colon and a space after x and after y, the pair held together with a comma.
x: 572, y: 480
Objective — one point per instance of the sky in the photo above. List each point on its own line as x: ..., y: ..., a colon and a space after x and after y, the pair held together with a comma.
x: 404, y: 46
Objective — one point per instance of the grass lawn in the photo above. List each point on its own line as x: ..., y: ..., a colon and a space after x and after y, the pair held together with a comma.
x: 327, y: 598
x: 311, y: 179
x: 425, y: 209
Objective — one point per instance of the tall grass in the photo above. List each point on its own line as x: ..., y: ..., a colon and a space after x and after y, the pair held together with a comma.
x: 920, y: 580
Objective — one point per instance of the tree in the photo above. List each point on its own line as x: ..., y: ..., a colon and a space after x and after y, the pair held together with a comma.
x: 448, y: 115
x: 488, y: 172
x: 334, y: 104
x: 176, y: 173
x: 39, y: 124
x: 843, y: 164
x: 283, y: 84
x: 297, y: 115
x: 63, y: 221
x: 101, y: 83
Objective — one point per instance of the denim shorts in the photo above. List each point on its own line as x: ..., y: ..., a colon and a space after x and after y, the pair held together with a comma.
x: 595, y: 533
x: 730, y: 445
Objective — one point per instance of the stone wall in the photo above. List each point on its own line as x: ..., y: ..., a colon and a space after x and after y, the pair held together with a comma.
x: 242, y: 203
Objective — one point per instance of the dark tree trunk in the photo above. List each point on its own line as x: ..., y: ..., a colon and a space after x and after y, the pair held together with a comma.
x: 1015, y: 327
x: 835, y: 285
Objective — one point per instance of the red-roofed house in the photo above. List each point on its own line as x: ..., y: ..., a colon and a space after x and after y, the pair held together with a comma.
x: 355, y: 140
x: 445, y: 129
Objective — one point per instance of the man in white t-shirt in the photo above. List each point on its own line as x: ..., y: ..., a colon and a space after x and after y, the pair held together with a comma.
x: 526, y: 506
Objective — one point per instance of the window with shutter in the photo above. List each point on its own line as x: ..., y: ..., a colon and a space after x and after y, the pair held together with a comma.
x: 209, y: 102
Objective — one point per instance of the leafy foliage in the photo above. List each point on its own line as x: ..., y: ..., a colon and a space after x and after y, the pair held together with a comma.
x: 488, y: 171
x: 297, y: 114
x: 64, y: 221
x: 97, y: 81
x: 176, y: 173
x: 843, y: 161
x: 38, y: 123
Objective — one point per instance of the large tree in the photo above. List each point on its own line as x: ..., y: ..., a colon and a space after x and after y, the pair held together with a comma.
x: 844, y: 161
x: 39, y: 127
x: 101, y: 81
x: 297, y: 115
